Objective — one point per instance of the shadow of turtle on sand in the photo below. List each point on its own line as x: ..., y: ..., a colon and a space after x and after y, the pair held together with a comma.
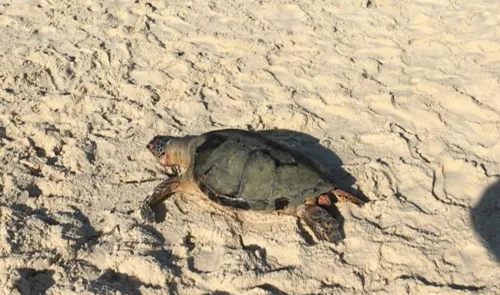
x: 486, y: 219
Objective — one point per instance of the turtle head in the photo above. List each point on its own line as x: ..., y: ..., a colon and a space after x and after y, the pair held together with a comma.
x: 172, y: 153
x: 158, y: 145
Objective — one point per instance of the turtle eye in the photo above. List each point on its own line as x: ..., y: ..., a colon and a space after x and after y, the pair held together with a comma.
x: 159, y: 151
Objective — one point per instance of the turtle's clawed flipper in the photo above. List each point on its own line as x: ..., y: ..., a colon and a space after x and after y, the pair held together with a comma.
x: 322, y: 223
x: 342, y: 197
x: 162, y: 191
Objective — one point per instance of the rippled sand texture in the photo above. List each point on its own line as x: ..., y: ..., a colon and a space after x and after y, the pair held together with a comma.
x: 404, y: 96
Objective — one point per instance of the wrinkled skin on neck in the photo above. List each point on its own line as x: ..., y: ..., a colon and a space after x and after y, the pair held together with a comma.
x: 173, y: 153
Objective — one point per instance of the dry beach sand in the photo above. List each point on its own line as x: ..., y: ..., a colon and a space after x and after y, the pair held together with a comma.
x: 400, y: 99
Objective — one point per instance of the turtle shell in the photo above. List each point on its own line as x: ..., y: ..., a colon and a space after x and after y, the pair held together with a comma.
x: 250, y: 171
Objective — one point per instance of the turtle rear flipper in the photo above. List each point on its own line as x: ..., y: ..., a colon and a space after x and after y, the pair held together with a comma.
x: 343, y: 197
x: 324, y: 226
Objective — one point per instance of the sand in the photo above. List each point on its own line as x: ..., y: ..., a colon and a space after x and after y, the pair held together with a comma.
x: 400, y: 100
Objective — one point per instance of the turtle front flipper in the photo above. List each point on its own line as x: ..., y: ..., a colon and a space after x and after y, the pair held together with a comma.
x: 324, y: 226
x: 161, y: 192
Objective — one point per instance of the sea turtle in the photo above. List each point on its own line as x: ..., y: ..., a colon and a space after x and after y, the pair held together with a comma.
x: 246, y: 170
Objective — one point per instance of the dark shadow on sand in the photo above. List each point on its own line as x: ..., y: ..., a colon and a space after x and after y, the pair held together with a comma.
x: 34, y: 281
x: 111, y: 281
x: 486, y: 219
x: 77, y: 228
